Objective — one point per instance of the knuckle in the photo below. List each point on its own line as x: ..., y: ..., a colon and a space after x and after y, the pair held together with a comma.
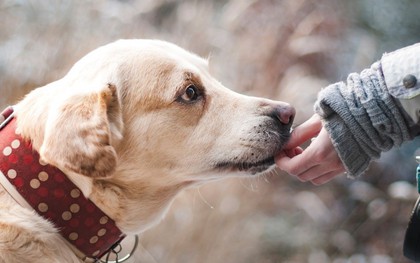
x: 317, y: 182
x: 304, y: 178
x: 294, y: 171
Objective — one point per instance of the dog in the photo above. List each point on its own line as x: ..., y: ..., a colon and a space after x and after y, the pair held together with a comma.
x: 131, y: 125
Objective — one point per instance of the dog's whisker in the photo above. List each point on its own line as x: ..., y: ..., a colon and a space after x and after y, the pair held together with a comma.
x: 203, y: 199
x: 264, y: 177
x: 251, y: 186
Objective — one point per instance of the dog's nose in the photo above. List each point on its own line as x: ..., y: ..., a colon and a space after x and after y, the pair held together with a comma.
x: 285, y: 113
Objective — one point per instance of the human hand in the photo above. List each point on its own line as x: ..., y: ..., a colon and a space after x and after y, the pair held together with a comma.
x: 319, y: 162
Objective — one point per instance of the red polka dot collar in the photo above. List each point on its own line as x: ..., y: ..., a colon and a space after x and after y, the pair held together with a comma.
x: 49, y: 192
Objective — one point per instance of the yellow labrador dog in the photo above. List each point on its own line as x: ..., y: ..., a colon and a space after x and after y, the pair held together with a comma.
x: 131, y: 125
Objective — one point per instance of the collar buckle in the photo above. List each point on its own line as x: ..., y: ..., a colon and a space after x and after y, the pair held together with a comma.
x: 6, y: 116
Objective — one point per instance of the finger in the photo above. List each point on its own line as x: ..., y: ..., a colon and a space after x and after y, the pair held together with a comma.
x: 296, y: 165
x: 304, y: 132
x: 298, y: 150
x: 293, y: 152
x: 312, y: 173
x: 317, y: 171
x: 327, y: 177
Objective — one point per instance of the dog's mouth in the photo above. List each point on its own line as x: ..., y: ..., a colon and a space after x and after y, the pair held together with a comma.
x: 249, y: 167
x: 258, y: 157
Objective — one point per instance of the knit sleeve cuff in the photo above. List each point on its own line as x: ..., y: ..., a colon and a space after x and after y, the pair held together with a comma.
x: 353, y: 157
x: 362, y: 118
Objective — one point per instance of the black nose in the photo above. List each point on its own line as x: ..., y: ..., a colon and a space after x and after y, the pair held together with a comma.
x: 285, y: 113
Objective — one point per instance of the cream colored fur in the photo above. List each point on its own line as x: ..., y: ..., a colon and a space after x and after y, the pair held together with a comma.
x: 121, y: 126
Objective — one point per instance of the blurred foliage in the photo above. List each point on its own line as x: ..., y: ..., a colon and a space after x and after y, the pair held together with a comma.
x: 280, y: 49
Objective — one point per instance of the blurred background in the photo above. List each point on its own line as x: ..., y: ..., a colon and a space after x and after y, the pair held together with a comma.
x: 279, y: 49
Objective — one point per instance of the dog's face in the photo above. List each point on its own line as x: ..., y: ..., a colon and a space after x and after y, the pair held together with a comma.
x: 147, y: 114
x: 189, y: 124
x: 201, y: 130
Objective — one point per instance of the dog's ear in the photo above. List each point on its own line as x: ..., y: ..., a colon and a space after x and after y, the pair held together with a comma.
x: 81, y: 134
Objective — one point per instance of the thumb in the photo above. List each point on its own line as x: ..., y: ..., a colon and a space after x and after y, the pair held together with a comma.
x: 302, y: 133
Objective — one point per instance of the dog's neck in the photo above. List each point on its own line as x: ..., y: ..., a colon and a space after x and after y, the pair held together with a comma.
x: 135, y: 211
x: 45, y: 189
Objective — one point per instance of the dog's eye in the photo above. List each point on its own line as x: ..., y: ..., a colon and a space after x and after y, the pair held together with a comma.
x: 191, y: 94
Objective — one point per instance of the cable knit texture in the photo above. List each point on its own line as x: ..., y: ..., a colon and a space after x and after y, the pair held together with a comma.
x: 361, y: 118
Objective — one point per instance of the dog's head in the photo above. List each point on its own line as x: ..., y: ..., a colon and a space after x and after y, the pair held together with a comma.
x: 147, y: 114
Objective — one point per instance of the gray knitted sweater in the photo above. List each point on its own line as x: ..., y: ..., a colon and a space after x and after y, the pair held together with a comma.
x: 369, y: 114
